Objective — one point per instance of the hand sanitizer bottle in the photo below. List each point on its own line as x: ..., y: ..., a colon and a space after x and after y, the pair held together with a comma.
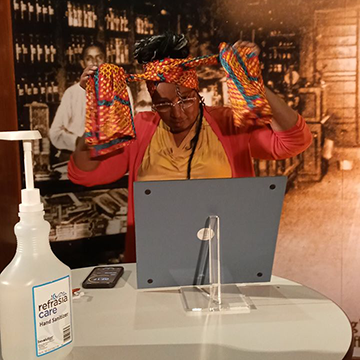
x: 35, y: 288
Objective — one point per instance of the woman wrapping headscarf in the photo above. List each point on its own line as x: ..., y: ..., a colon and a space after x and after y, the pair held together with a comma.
x: 181, y: 138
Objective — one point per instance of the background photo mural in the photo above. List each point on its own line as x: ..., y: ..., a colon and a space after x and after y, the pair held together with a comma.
x: 310, y: 52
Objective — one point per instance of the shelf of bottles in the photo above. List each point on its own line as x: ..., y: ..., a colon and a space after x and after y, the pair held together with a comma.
x: 117, y: 25
x: 279, y: 58
x: 79, y: 28
x: 34, y: 49
x: 33, y: 11
x: 73, y: 55
x: 43, y: 89
x: 117, y: 20
x: 143, y: 26
x: 81, y: 15
x: 50, y: 36
x: 36, y: 58
x: 35, y: 52
x: 75, y: 49
x: 117, y: 51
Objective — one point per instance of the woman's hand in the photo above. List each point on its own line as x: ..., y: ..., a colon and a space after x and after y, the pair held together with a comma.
x: 88, y: 71
x: 284, y: 118
x: 248, y: 44
x: 82, y: 156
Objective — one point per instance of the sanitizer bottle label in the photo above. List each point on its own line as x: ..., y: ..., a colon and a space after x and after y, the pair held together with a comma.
x: 52, y: 315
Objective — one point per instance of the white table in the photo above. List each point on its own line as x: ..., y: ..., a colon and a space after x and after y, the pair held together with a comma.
x: 290, y: 321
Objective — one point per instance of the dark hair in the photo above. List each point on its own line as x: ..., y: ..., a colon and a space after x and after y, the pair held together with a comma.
x: 159, y: 47
x: 195, y: 139
x: 91, y: 44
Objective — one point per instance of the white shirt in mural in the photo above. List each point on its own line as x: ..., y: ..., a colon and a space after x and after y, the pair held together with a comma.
x: 69, y: 121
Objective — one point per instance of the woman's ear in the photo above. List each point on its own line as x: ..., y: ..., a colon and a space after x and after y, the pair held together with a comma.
x: 82, y: 63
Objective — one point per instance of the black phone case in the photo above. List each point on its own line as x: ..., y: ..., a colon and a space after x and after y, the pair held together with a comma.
x: 87, y: 284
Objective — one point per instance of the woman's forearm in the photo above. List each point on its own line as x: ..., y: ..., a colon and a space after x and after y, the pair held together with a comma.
x: 82, y: 157
x: 284, y: 117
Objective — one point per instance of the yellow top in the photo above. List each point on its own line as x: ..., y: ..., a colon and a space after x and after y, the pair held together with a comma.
x: 164, y: 160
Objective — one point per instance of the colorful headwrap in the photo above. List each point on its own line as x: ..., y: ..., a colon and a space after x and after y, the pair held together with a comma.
x: 109, y: 121
x: 177, y: 71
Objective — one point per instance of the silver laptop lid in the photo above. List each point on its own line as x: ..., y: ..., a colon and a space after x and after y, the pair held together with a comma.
x: 169, y: 215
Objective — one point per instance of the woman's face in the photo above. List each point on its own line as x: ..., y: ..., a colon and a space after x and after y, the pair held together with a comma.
x: 177, y: 106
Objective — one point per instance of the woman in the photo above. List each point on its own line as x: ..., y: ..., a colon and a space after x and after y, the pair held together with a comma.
x: 184, y: 139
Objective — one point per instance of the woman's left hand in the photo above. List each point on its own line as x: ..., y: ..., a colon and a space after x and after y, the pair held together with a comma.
x: 248, y: 44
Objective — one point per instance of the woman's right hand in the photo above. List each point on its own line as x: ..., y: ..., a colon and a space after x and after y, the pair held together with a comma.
x: 88, y: 71
x: 82, y: 156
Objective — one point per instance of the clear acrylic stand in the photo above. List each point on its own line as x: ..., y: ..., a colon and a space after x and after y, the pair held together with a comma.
x: 215, y: 296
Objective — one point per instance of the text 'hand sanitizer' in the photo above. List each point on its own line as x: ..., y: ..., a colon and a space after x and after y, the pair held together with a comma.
x: 35, y: 288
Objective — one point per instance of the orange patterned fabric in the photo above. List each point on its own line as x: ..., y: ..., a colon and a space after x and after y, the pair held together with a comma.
x: 109, y: 121
x: 176, y: 71
x: 245, y: 86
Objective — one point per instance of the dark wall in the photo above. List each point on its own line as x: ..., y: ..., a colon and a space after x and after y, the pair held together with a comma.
x: 9, y: 151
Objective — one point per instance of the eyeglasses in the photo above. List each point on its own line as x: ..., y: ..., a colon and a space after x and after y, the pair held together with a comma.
x: 183, y: 103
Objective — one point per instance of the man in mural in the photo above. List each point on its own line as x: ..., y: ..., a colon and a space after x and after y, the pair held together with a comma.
x: 69, y: 121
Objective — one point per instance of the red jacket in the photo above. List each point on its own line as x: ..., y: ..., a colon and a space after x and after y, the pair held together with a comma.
x: 240, y: 145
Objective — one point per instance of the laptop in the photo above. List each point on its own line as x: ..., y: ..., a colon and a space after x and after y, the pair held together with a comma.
x: 171, y: 215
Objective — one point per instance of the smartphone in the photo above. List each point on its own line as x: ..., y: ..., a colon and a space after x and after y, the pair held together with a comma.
x: 103, y: 277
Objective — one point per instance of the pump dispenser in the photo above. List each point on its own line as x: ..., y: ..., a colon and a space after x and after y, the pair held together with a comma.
x: 35, y: 288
